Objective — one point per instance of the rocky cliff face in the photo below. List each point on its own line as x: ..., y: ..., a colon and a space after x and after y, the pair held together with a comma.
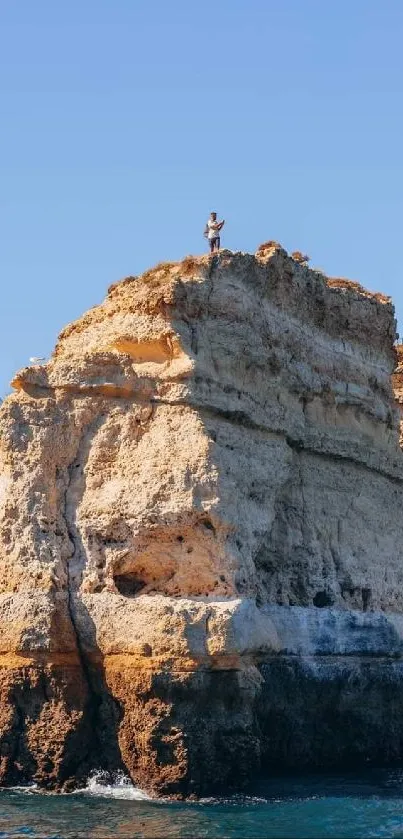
x: 201, y: 561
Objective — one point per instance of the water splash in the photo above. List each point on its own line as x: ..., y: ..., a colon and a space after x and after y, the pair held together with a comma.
x: 27, y: 789
x: 117, y: 785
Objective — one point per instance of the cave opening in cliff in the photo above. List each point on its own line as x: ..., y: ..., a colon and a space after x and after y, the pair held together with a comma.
x: 129, y: 584
x: 322, y: 600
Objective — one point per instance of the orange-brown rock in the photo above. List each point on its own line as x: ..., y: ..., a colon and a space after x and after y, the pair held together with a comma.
x: 200, y: 532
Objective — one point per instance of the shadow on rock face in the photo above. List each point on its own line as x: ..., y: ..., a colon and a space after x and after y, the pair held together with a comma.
x: 46, y: 732
x: 103, y: 711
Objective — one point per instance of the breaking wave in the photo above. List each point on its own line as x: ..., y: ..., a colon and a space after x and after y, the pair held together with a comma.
x: 117, y: 785
x: 102, y: 784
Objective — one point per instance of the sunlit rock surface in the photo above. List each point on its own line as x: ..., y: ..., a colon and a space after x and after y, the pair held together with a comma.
x: 201, y: 540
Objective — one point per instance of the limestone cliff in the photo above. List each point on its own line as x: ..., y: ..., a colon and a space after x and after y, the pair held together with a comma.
x: 201, y: 540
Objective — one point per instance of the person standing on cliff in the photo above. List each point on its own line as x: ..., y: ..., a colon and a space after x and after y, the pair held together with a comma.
x: 212, y: 232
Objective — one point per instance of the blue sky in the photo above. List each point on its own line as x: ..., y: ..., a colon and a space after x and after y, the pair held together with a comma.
x: 125, y: 121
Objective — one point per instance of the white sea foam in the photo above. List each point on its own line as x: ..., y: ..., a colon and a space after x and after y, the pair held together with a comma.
x: 115, y: 786
x: 26, y: 788
x: 102, y: 784
x: 232, y: 800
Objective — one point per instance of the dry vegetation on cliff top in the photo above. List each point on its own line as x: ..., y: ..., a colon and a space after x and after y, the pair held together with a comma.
x: 188, y: 266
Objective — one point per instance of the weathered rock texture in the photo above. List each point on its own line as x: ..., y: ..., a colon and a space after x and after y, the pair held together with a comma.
x: 201, y: 539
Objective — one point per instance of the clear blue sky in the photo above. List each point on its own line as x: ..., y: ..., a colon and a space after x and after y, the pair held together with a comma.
x: 125, y: 121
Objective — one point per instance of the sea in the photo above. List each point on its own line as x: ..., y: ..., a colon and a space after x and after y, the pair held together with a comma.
x: 369, y: 804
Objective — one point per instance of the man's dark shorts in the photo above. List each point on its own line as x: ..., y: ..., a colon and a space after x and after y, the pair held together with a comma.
x: 214, y: 244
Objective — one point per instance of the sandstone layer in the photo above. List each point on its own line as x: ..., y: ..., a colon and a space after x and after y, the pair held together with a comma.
x: 201, y: 535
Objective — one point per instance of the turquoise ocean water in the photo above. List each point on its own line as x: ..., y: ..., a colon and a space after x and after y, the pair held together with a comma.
x: 366, y: 805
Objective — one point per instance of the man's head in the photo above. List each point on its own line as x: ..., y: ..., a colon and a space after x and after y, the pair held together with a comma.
x: 213, y: 216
